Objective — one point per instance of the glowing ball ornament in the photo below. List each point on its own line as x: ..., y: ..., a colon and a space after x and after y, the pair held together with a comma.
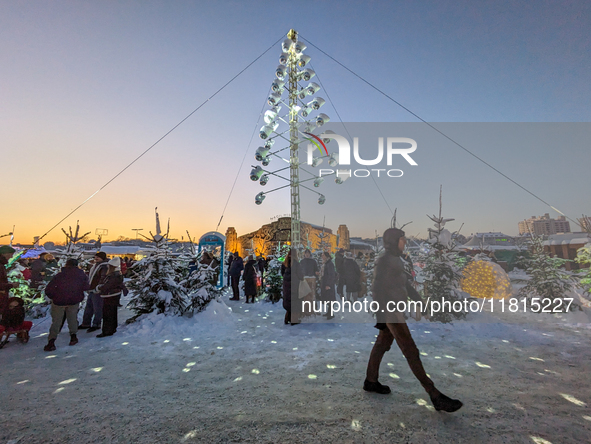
x: 483, y: 279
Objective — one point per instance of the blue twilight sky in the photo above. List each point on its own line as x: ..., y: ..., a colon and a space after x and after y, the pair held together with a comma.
x: 86, y: 87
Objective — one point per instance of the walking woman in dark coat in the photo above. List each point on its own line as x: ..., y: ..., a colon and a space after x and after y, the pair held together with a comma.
x: 328, y: 282
x: 250, y: 279
x: 291, y: 273
x: 390, y: 285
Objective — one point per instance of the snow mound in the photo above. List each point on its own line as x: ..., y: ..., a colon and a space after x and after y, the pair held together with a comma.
x: 216, y: 316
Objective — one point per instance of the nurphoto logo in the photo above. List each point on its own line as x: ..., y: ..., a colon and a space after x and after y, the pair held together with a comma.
x: 402, y: 146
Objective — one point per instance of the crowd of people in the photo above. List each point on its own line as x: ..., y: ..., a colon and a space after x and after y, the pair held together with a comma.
x: 252, y: 274
x: 102, y: 286
x: 345, y: 277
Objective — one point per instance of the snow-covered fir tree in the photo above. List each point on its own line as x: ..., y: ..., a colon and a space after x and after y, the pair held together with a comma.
x: 155, y: 281
x: 441, y: 274
x: 199, y: 279
x: 547, y: 278
x: 584, y: 258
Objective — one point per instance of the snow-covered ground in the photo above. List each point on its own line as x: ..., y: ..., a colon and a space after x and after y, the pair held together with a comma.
x: 239, y: 374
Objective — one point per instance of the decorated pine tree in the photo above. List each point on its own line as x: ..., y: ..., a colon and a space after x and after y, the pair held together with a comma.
x: 441, y: 274
x: 155, y: 281
x: 547, y: 278
x: 273, y: 277
x: 35, y: 303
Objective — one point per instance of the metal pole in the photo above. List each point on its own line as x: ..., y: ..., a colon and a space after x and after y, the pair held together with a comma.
x: 293, y: 136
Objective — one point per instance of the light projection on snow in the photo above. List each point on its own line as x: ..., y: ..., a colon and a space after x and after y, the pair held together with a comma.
x: 481, y: 365
x: 574, y: 400
x: 67, y: 381
x: 538, y: 440
x: 425, y: 404
x: 483, y: 279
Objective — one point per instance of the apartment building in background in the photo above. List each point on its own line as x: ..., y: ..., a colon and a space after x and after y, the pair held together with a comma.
x: 544, y: 225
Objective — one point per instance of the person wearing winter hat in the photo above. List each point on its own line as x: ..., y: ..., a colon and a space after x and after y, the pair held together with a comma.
x: 110, y: 290
x: 13, y: 320
x: 6, y: 253
x: 94, y: 302
x: 391, y: 285
x: 51, y: 267
x: 66, y: 291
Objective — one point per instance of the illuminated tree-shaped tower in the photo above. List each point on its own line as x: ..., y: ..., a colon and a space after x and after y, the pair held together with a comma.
x: 293, y: 76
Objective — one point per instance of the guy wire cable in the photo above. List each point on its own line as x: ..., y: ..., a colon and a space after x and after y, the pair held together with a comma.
x: 242, y: 163
x: 439, y: 131
x: 159, y: 140
x: 343, y: 123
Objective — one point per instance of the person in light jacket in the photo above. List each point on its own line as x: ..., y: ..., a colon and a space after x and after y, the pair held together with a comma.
x: 110, y: 290
x: 94, y: 302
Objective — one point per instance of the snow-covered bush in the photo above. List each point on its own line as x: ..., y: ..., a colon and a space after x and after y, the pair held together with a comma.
x: 547, y: 278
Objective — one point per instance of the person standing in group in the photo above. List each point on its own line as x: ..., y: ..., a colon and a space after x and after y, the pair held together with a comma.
x: 51, y: 268
x: 229, y: 264
x: 24, y: 269
x: 38, y: 270
x: 391, y: 285
x: 123, y: 267
x: 351, y: 277
x: 250, y: 279
x: 328, y: 282
x: 339, y: 257
x: 206, y: 258
x: 66, y: 291
x: 309, y: 269
x: 6, y: 253
x: 94, y: 302
x: 362, y: 263
x: 262, y: 266
x: 110, y: 290
x: 290, y: 270
x: 234, y: 273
